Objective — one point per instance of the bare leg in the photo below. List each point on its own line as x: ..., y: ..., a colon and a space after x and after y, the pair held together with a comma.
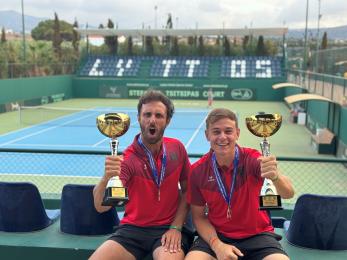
x: 198, y: 255
x: 111, y: 250
x: 160, y: 254
x: 276, y: 257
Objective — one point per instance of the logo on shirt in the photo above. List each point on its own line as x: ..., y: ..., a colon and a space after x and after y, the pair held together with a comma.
x: 145, y: 167
x: 173, y: 156
x: 211, y: 178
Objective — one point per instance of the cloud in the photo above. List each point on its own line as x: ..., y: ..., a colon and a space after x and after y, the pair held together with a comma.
x: 188, y: 14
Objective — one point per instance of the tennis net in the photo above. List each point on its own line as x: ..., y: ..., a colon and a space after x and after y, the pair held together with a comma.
x: 45, y: 115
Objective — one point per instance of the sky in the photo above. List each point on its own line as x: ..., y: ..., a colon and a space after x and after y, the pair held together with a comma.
x: 188, y: 14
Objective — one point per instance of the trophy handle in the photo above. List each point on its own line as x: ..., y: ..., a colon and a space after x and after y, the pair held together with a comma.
x: 268, y: 187
x: 114, y: 146
x: 265, y: 147
x: 114, y: 181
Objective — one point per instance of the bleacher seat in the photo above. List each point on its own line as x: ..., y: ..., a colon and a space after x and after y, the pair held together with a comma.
x: 78, y: 214
x: 239, y: 67
x: 22, y: 209
x: 318, y: 222
x: 251, y: 67
x: 110, y: 66
x: 182, y: 67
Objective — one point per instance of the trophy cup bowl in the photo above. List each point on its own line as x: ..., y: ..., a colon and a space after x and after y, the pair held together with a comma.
x: 114, y: 125
x: 265, y: 125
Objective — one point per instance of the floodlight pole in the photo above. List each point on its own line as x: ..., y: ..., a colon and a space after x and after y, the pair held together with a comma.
x: 317, y: 40
x: 305, y: 44
x: 23, y: 32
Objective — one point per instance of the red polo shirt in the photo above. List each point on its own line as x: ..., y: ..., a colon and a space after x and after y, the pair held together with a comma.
x: 246, y: 218
x: 144, y: 208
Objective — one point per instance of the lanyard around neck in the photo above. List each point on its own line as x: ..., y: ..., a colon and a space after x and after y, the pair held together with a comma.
x: 158, y: 179
x: 220, y: 183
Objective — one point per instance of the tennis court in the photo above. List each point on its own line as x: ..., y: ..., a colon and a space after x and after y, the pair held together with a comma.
x: 76, y: 130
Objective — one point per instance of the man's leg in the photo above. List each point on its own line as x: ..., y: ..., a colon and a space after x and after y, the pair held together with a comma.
x: 195, y: 255
x: 111, y: 250
x: 276, y: 257
x: 160, y: 254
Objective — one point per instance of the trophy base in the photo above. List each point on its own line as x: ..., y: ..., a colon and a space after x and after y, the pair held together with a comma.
x: 115, y: 196
x: 268, y: 202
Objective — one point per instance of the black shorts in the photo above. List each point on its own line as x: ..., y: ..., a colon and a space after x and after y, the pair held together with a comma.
x: 141, y: 241
x: 253, y: 248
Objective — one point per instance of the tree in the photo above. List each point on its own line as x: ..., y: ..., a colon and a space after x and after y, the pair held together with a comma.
x: 130, y: 46
x: 245, y: 42
x: 75, y: 38
x: 169, y: 22
x: 149, y: 45
x: 57, y: 40
x: 175, y: 49
x: 218, y: 40
x: 3, y: 35
x: 111, y: 41
x: 324, y: 45
x: 226, y: 46
x: 261, y: 50
x: 45, y: 31
x: 201, y: 48
x: 168, y: 38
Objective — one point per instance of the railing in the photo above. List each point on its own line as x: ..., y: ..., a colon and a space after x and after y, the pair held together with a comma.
x: 50, y: 170
x: 332, y: 87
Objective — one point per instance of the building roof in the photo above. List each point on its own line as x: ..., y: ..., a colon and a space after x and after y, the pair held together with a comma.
x: 184, y: 32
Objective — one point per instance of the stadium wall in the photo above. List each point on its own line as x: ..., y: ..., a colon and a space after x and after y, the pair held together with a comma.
x: 34, y: 91
x: 223, y: 89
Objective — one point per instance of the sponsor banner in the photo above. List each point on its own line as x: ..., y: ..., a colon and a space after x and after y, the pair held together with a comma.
x: 199, y: 93
x: 56, y: 98
x: 242, y: 94
x: 109, y: 91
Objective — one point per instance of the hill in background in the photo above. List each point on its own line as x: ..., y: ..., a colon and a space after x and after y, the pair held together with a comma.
x: 336, y: 33
x: 12, y: 20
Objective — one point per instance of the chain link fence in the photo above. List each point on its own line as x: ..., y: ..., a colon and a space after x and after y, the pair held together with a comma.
x: 50, y: 171
x: 331, y: 61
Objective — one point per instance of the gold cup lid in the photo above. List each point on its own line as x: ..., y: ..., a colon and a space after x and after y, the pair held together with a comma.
x: 113, y: 124
x: 264, y: 125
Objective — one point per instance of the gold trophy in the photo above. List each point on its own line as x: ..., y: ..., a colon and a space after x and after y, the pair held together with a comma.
x: 265, y: 125
x: 114, y: 125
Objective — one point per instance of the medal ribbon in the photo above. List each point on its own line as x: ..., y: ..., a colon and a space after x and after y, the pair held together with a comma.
x: 220, y: 183
x: 158, y: 179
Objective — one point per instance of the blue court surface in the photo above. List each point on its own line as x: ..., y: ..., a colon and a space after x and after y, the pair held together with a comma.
x: 78, y: 131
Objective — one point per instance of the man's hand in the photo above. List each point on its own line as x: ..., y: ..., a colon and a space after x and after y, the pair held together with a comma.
x: 112, y: 166
x: 268, y: 167
x: 171, y: 240
x: 224, y: 251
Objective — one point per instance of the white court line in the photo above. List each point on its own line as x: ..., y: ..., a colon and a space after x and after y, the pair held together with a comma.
x: 54, y: 145
x: 42, y: 131
x: 195, y: 133
x: 100, y: 142
x: 44, y: 123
